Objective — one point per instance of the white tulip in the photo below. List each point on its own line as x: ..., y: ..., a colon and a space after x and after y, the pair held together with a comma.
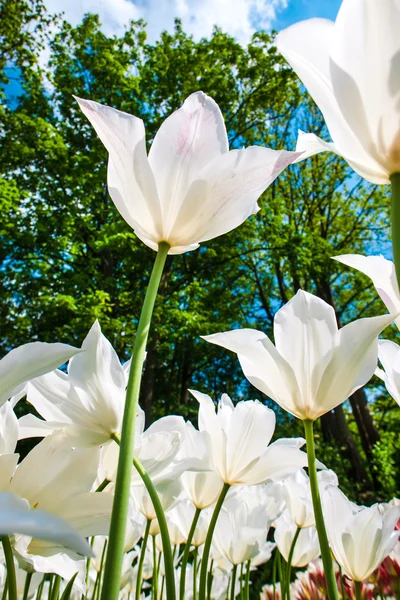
x: 307, y: 545
x: 58, y: 479
x: 190, y: 188
x: 314, y: 366
x: 87, y: 404
x: 351, y: 69
x: 298, y: 495
x: 360, y: 537
x: 240, y: 436
x: 241, y: 529
x: 179, y: 520
x: 383, y: 275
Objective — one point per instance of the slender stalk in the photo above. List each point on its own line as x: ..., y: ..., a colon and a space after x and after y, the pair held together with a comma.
x: 357, y: 586
x: 241, y: 581
x: 115, y: 552
x: 207, y: 544
x: 395, y: 181
x: 68, y: 588
x: 102, y: 485
x: 228, y: 587
x: 56, y: 588
x: 154, y: 583
x: 274, y: 573
x: 289, y: 562
x: 281, y: 577
x: 247, y: 582
x: 186, y: 552
x: 331, y: 584
x: 27, y: 586
x: 40, y: 588
x: 88, y: 560
x: 233, y: 582
x: 195, y: 574
x: 210, y: 580
x: 139, y: 578
x: 9, y: 558
x: 162, y: 523
x: 96, y: 588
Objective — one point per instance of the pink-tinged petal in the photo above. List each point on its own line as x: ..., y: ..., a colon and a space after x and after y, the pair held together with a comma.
x: 353, y: 362
x: 306, y: 46
x: 186, y: 142
x: 131, y: 182
x: 28, y: 361
x: 226, y: 191
x: 311, y: 322
x: 383, y: 275
x: 16, y: 517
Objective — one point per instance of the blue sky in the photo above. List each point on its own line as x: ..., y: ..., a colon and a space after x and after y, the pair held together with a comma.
x: 297, y: 10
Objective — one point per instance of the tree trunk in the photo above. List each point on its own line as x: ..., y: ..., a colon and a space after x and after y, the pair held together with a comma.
x: 148, y: 381
x: 365, y: 423
x: 345, y: 439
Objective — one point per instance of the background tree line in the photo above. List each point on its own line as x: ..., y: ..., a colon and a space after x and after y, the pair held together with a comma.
x: 67, y: 257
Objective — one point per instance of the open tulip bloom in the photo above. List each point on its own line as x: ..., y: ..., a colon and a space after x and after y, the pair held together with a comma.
x: 313, y: 366
x: 190, y: 188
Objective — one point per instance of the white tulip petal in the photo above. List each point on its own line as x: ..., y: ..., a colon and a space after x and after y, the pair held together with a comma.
x: 28, y: 361
x: 389, y: 356
x: 90, y: 513
x: 382, y: 273
x: 353, y: 361
x: 16, y: 517
x: 8, y: 464
x: 8, y: 429
x: 187, y: 141
x: 226, y: 191
x: 131, y: 182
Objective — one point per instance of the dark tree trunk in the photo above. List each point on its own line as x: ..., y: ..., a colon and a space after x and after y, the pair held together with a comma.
x: 365, y: 423
x: 345, y: 439
x: 148, y: 381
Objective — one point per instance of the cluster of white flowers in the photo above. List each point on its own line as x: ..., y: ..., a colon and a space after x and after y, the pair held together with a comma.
x: 104, y: 508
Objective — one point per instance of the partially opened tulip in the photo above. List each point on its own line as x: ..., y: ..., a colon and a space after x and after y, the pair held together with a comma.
x: 307, y: 384
x: 382, y: 273
x: 351, y: 69
x: 360, y: 537
x: 190, y: 188
x: 306, y: 546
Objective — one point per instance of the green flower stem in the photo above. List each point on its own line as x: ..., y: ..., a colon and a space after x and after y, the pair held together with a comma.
x: 141, y: 560
x: 27, y: 586
x: 207, y: 544
x: 395, y: 181
x: 55, y: 591
x: 96, y: 588
x: 280, y: 572
x: 357, y: 585
x: 5, y: 590
x: 274, y: 573
x: 68, y: 588
x: 233, y: 582
x: 289, y: 562
x: 186, y: 552
x: 247, y: 582
x: 119, y: 514
x: 341, y: 583
x: 103, y: 485
x: 331, y: 584
x: 195, y: 574
x: 154, y: 583
x: 162, y: 523
x: 210, y: 580
x: 11, y: 578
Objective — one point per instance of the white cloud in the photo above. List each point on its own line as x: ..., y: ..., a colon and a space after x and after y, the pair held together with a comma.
x: 240, y: 18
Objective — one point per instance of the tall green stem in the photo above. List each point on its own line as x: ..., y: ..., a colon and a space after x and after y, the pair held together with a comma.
x: 185, y: 555
x: 195, y: 574
x: 289, y: 562
x: 139, y: 578
x: 115, y: 551
x: 357, y: 585
x: 331, y: 585
x: 55, y: 591
x: 154, y: 583
x: 162, y: 523
x: 27, y: 586
x: 11, y: 578
x: 247, y: 581
x: 233, y: 582
x: 207, y: 543
x: 395, y: 181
